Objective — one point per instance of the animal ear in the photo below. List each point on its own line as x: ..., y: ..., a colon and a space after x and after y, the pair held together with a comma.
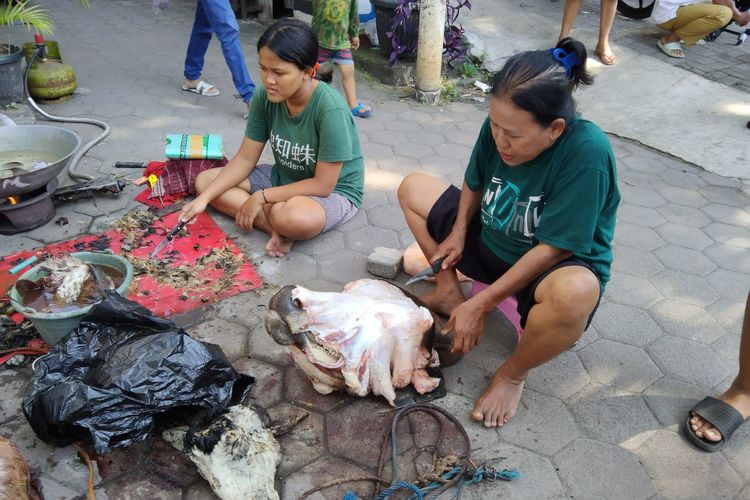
x: 263, y: 414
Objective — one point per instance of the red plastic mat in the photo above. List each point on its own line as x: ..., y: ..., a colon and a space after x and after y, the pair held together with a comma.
x: 194, y: 243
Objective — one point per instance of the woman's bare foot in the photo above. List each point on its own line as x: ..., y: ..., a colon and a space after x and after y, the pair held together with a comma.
x: 278, y: 245
x: 739, y: 399
x: 606, y: 56
x: 499, y: 401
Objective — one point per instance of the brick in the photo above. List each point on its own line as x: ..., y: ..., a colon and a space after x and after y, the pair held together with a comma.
x: 385, y: 262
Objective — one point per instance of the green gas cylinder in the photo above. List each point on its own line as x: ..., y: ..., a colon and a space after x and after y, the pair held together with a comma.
x: 49, y: 78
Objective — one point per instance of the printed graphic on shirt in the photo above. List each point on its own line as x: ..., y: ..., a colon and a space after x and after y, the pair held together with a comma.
x: 335, y: 11
x: 504, y: 212
x: 293, y: 156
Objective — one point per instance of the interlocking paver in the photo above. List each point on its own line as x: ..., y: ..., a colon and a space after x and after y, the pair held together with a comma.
x: 326, y: 243
x: 687, y: 216
x: 729, y: 313
x: 560, y: 377
x: 629, y: 325
x: 729, y: 284
x: 387, y: 216
x: 636, y: 236
x: 543, y: 424
x: 684, y: 236
x: 671, y: 399
x: 611, y: 415
x: 730, y: 257
x: 685, y: 287
x: 728, y: 234
x: 632, y: 291
x: 635, y: 262
x: 682, y: 196
x: 366, y: 239
x: 685, y: 260
x: 320, y: 472
x: 667, y: 452
x: 643, y: 216
x: 727, y: 214
x: 619, y: 365
x: 584, y: 462
x: 14, y: 390
x: 226, y: 335
x: 688, y: 361
x: 643, y: 197
x: 725, y: 195
x: 686, y: 320
x: 682, y: 177
x: 303, y: 443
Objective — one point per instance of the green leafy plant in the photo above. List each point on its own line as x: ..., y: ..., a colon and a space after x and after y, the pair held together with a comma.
x: 467, y: 70
x: 21, y: 12
x: 449, y: 92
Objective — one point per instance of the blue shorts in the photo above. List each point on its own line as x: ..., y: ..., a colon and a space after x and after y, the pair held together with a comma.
x: 338, y: 209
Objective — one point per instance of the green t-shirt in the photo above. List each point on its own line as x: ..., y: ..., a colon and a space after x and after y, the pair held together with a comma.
x: 335, y: 22
x: 324, y: 131
x: 566, y: 197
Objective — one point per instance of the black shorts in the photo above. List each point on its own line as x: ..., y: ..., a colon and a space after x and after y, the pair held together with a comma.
x: 478, y: 262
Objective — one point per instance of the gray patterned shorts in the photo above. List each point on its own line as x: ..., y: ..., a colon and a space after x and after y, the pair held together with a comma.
x: 338, y: 208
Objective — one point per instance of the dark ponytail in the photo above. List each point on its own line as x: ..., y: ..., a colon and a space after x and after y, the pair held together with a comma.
x: 542, y: 81
x: 292, y: 41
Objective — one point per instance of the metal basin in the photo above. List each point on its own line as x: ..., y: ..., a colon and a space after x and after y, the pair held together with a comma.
x: 58, y: 141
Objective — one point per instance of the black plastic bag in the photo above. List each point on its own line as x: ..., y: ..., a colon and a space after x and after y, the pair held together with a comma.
x: 120, y: 369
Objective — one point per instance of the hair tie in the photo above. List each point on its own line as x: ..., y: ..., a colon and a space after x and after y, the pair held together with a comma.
x: 569, y: 60
x: 315, y: 68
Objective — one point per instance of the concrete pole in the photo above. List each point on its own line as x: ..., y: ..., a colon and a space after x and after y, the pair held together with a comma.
x: 430, y: 49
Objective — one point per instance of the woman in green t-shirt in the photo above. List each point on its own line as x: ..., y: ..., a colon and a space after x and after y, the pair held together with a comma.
x: 317, y: 180
x: 535, y: 219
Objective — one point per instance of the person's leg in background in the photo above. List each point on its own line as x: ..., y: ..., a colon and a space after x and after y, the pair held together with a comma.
x: 606, y: 18
x: 200, y: 37
x: 693, y: 22
x: 224, y: 23
x: 737, y: 397
x: 569, y: 17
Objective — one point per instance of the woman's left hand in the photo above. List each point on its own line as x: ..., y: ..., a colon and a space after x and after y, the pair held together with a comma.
x: 355, y: 42
x: 249, y: 210
x: 467, y: 321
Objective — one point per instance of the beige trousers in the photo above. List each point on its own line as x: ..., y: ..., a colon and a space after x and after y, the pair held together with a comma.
x: 695, y: 21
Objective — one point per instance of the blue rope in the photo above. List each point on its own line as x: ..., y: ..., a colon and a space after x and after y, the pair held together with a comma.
x: 403, y: 485
x: 472, y: 476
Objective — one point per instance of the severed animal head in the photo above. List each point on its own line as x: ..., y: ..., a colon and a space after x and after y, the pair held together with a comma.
x: 371, y: 337
x: 236, y: 453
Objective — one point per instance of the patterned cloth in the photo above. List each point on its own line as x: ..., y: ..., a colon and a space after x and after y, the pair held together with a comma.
x: 178, y: 176
x: 335, y: 22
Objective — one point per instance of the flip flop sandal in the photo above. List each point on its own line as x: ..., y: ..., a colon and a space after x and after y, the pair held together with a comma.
x: 202, y: 88
x: 672, y: 49
x: 607, y: 60
x: 723, y: 416
x: 362, y: 111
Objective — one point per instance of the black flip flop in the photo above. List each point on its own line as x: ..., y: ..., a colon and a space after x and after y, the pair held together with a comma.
x: 721, y: 415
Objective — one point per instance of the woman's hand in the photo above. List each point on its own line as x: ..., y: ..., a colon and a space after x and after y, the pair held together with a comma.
x: 355, y: 42
x: 452, y: 248
x: 249, y: 210
x: 467, y: 321
x: 192, y: 209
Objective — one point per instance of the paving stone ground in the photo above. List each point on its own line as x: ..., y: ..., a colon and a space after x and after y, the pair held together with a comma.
x: 600, y: 421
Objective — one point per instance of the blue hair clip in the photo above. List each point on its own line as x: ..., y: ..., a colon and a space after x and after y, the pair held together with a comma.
x: 568, y: 59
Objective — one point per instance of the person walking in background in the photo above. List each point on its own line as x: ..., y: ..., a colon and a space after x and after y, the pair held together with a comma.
x: 606, y: 18
x: 692, y: 20
x: 711, y: 423
x: 216, y: 16
x: 336, y: 24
